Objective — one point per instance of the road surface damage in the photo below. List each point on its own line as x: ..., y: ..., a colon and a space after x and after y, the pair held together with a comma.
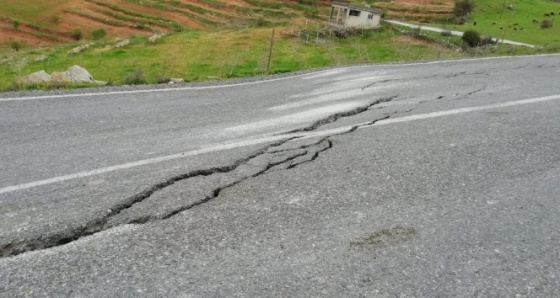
x: 281, y: 155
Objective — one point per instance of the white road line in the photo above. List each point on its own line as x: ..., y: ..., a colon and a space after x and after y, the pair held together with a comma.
x: 93, y: 94
x: 466, y: 110
x: 209, y: 149
x: 245, y: 143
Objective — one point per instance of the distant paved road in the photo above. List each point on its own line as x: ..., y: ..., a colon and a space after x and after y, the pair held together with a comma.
x: 422, y: 179
x: 456, y: 33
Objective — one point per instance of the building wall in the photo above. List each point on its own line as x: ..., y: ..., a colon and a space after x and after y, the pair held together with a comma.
x: 363, y: 20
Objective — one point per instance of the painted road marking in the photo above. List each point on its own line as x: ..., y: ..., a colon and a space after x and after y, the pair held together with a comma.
x: 245, y: 143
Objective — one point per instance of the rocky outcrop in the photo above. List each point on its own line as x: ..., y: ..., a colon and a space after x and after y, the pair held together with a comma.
x: 154, y: 38
x: 41, y: 58
x: 122, y: 43
x: 74, y: 74
x: 36, y: 77
x: 77, y: 50
x: 176, y: 81
x: 77, y: 74
x: 58, y: 76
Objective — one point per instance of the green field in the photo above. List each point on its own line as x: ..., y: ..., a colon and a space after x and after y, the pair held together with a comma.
x: 488, y: 12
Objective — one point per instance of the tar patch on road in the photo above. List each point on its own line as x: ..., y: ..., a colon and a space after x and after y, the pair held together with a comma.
x: 384, y: 238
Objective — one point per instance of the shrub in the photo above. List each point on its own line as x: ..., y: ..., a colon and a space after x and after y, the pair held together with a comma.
x: 16, y: 46
x: 471, y: 38
x: 16, y: 24
x: 97, y: 34
x: 162, y: 79
x: 135, y: 78
x: 55, y: 19
x: 545, y: 24
x: 463, y: 7
x: 76, y: 34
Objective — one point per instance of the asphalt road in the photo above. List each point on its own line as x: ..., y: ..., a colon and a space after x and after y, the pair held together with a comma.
x: 426, y: 179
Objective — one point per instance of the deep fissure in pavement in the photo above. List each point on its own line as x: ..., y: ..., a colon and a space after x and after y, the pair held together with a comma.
x: 101, y: 224
x: 334, y: 117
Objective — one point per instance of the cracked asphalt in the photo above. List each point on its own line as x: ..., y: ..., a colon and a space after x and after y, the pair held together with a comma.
x: 424, y: 179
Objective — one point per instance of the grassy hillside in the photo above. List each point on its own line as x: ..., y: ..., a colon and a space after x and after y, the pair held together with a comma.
x: 216, y: 39
x: 516, y: 23
x: 199, y: 55
x: 518, y: 20
x: 52, y: 21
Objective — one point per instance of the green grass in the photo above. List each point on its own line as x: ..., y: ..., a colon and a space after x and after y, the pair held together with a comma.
x: 488, y: 11
x: 202, y: 55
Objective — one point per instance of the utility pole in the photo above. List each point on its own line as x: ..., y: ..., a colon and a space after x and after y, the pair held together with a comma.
x: 270, y: 51
x: 503, y: 8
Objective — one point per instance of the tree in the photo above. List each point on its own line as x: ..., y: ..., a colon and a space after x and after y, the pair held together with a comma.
x: 546, y: 23
x: 16, y: 46
x: 77, y: 34
x: 16, y: 24
x: 471, y: 38
x: 463, y: 7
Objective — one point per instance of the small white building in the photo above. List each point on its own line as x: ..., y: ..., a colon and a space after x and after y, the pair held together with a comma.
x: 344, y: 15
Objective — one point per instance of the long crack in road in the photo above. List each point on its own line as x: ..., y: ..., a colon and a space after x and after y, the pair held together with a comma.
x: 254, y: 165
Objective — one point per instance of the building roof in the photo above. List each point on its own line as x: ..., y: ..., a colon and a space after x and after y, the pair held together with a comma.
x: 357, y: 7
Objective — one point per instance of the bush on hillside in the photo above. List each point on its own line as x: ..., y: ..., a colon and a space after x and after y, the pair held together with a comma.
x: 77, y: 34
x: 16, y: 46
x: 162, y: 79
x: 16, y: 24
x: 545, y: 24
x: 55, y: 19
x: 463, y: 7
x: 471, y: 38
x: 97, y: 34
x: 135, y: 78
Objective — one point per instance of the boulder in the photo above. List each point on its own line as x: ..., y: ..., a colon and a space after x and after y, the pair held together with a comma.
x: 77, y: 50
x: 41, y: 58
x: 76, y: 74
x: 58, y: 76
x: 176, y: 80
x: 122, y: 43
x: 153, y: 38
x: 36, y: 77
